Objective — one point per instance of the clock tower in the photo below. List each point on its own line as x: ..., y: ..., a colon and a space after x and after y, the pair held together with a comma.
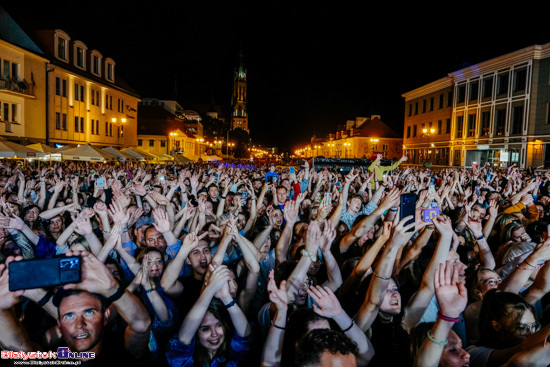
x: 239, y: 116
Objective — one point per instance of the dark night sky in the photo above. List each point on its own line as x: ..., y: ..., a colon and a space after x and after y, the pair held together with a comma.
x: 310, y: 66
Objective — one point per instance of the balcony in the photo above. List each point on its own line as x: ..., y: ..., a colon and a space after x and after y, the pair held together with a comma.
x: 14, y: 86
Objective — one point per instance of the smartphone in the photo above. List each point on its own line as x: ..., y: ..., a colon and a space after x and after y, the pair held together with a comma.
x: 477, y: 191
x: 292, y: 170
x: 407, y: 206
x: 99, y: 182
x: 431, y: 190
x: 429, y: 214
x: 41, y: 273
x: 244, y: 195
x: 270, y: 179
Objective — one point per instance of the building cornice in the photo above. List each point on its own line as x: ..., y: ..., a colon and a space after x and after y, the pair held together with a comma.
x: 435, y: 86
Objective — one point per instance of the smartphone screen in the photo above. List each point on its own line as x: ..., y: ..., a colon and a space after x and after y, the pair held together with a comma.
x: 408, y: 207
x: 291, y: 170
x: 40, y: 273
x: 100, y: 182
x: 429, y: 214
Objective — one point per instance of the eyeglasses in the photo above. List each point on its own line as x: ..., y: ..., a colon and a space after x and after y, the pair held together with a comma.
x: 527, y: 329
x: 492, y: 281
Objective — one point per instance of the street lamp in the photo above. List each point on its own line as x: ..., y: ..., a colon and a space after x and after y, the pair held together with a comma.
x: 120, y: 127
x: 428, y: 133
x: 374, y: 141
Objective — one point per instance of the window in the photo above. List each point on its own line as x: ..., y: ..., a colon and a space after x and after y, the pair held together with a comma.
x: 416, y: 108
x: 163, y: 143
x: 384, y: 147
x: 111, y: 129
x: 106, y: 128
x: 76, y: 90
x: 520, y: 79
x: 82, y: 93
x: 439, y: 127
x: 97, y: 101
x: 432, y: 104
x: 517, y: 120
x: 441, y: 101
x: 459, y: 126
x: 140, y: 142
x: 502, y: 85
x: 58, y: 121
x: 97, y: 127
x: 96, y: 63
x: 82, y: 124
x: 61, y: 48
x: 110, y: 72
x: 76, y: 124
x: 500, y: 122
x: 79, y: 59
x: 448, y: 127
x: 461, y: 94
x: 408, y: 131
x: 449, y: 99
x: 487, y: 88
x: 111, y: 103
x: 471, y: 125
x: 485, y: 123
x: 92, y: 124
x: 474, y: 87
x: 9, y: 69
x: 414, y: 131
x: 410, y: 109
x: 64, y: 87
x: 151, y: 142
x: 424, y: 106
x: 64, y: 121
x: 57, y: 86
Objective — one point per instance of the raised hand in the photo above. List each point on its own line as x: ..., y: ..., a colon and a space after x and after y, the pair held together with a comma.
x: 162, y: 223
x: 326, y: 303
x: 452, y: 295
x: 82, y: 225
x: 118, y: 213
x: 277, y: 295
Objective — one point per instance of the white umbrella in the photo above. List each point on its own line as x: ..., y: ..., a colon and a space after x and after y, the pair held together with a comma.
x: 139, y: 154
x: 87, y: 153
x: 121, y: 156
x: 9, y: 149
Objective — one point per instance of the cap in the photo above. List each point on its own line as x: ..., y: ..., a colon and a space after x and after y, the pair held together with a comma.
x: 143, y: 221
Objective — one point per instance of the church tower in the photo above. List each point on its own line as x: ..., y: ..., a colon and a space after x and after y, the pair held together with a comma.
x: 239, y: 116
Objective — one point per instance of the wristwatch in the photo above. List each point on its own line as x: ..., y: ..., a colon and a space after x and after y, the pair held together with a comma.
x: 312, y: 255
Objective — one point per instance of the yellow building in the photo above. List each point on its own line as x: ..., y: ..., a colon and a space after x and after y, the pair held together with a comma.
x: 22, y: 85
x: 359, y: 138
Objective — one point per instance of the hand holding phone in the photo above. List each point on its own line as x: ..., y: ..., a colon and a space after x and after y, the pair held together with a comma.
x: 99, y: 183
x: 292, y: 170
x: 40, y: 273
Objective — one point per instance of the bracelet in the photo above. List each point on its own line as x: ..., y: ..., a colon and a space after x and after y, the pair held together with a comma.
x: 447, y: 318
x: 312, y: 255
x: 152, y: 289
x: 480, y: 238
x: 277, y: 326
x: 378, y: 276
x: 536, y: 267
x: 222, y: 197
x: 393, y: 209
x: 349, y: 327
x: 45, y: 299
x: 438, y: 342
x: 106, y: 232
x: 119, y: 293
x: 230, y: 304
x: 531, y: 266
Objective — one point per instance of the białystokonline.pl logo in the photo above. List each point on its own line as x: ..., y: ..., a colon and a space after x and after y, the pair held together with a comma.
x: 62, y: 353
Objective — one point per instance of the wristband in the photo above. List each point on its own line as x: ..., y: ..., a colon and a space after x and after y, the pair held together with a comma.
x: 349, y: 327
x: 116, y: 296
x: 152, y: 289
x: 45, y: 299
x: 230, y: 304
x: 312, y: 256
x: 438, y: 342
x: 222, y: 197
x: 378, y: 276
x: 480, y: 238
x: 447, y: 318
x: 276, y: 326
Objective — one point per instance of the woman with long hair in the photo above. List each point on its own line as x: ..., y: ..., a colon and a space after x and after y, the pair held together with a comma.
x: 215, y: 330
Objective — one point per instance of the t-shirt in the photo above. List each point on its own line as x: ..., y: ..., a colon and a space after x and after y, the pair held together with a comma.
x: 191, y: 292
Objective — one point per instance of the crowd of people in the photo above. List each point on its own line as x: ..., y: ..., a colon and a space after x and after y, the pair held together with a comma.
x: 216, y: 264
